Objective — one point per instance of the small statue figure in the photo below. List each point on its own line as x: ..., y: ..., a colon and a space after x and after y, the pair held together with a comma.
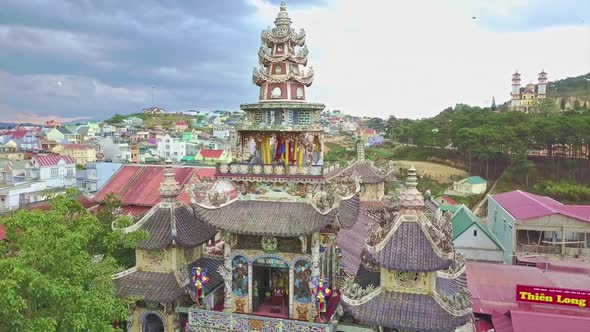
x: 322, y: 295
x: 200, y: 279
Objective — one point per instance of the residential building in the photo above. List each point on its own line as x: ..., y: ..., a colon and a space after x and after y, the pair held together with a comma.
x: 192, y: 149
x: 62, y: 135
x: 187, y: 136
x: 81, y: 153
x: 221, y: 132
x: 48, y: 145
x: 529, y: 224
x: 55, y: 171
x: 171, y: 148
x: 135, y: 122
x: 113, y: 151
x: 206, y: 156
x: 14, y: 196
x: 472, y: 185
x: 95, y: 175
x: 13, y: 172
x: 153, y: 111
x: 473, y: 239
x: 26, y: 140
x: 180, y: 126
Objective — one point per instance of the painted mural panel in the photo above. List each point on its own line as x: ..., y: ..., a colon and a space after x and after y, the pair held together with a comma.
x: 240, y: 276
x: 302, y: 291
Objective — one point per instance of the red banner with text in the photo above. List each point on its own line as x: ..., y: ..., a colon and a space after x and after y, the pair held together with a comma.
x: 555, y: 296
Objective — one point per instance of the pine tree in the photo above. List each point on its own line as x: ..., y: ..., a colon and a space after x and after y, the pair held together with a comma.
x: 493, y: 104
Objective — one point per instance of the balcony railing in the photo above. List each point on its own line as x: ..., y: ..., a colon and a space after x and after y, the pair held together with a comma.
x: 267, y: 170
x: 200, y: 320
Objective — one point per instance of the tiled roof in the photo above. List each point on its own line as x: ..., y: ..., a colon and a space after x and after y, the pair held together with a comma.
x: 405, y: 311
x: 211, y: 265
x: 214, y: 154
x: 522, y: 206
x: 151, y: 286
x: 364, y: 277
x: 451, y: 286
x: 138, y: 185
x: 265, y: 218
x: 348, y: 211
x: 409, y: 249
x: 463, y: 218
x: 52, y: 160
x: 351, y: 242
x: 190, y: 232
x: 366, y: 172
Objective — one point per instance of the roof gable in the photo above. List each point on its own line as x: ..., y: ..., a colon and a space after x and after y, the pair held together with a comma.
x: 464, y: 218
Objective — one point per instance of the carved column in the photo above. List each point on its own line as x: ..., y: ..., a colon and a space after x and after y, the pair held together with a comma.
x: 227, y: 276
x: 250, y: 273
x: 291, y: 289
x: 315, y: 266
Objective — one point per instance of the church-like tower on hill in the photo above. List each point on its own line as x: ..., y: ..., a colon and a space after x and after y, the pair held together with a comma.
x: 525, y: 98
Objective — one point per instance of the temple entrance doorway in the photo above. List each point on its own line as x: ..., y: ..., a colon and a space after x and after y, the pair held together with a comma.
x: 270, y: 287
x: 153, y: 323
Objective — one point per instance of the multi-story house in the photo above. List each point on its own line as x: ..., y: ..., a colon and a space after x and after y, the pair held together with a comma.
x: 63, y: 135
x: 11, y: 151
x: 171, y: 148
x: 12, y: 172
x: 26, y: 140
x: 180, y: 126
x: 81, y: 153
x: 55, y: 171
x: 114, y: 151
x: 95, y: 175
x: 13, y: 197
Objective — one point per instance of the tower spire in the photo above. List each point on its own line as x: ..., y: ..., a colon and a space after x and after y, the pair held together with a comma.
x: 169, y: 188
x: 283, y: 19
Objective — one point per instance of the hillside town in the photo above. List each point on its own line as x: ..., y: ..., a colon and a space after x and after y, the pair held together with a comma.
x: 287, y: 216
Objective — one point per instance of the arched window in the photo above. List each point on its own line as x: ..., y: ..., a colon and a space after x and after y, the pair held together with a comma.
x: 278, y: 69
x: 299, y: 92
x: 276, y: 92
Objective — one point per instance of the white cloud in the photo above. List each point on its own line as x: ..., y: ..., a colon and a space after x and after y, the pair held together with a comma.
x: 413, y: 60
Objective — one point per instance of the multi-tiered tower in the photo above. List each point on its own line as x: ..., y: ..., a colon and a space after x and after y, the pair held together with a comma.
x: 515, y: 93
x: 278, y: 206
x: 542, y: 84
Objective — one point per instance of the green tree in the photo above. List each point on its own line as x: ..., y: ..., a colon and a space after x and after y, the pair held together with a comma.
x: 546, y: 106
x: 50, y: 278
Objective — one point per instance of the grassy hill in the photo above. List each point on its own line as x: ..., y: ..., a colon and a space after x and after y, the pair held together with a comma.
x: 570, y: 87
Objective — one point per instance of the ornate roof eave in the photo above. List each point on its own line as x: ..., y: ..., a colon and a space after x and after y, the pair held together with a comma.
x: 259, y: 77
x: 272, y: 36
x: 420, y: 219
x: 282, y: 104
x: 266, y: 58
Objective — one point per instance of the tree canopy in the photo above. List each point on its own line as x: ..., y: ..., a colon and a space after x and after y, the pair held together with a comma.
x: 55, y: 271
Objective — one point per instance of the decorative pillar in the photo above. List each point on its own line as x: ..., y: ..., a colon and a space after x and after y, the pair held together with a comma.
x: 315, y: 266
x: 227, y: 272
x: 291, y: 289
x: 250, y: 286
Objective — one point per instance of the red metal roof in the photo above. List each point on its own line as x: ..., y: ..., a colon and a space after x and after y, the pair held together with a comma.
x: 52, y: 160
x: 19, y: 134
x: 215, y: 154
x: 138, y: 185
x: 181, y: 123
x: 524, y: 321
x: 493, y: 287
x: 502, y: 323
x: 522, y: 206
x: 449, y: 200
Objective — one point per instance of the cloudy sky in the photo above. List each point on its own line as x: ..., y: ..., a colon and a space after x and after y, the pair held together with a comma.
x: 90, y: 59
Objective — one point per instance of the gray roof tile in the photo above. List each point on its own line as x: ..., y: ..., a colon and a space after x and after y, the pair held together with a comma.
x: 409, y: 249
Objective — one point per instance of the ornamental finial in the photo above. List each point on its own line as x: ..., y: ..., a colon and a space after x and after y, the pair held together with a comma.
x: 169, y: 188
x: 283, y: 19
